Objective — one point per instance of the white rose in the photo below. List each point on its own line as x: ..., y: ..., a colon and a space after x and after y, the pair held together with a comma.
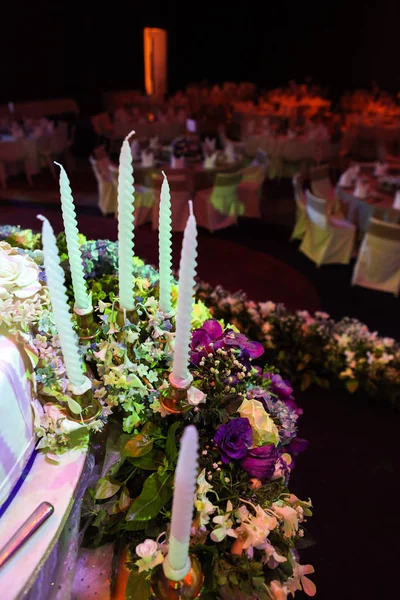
x: 19, y: 274
x: 147, y: 549
x: 264, y: 429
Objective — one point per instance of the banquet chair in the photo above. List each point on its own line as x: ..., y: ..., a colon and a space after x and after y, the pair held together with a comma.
x: 12, y: 153
x: 301, y: 211
x: 378, y: 262
x: 321, y: 184
x: 250, y: 190
x: 219, y: 206
x: 327, y: 239
x: 107, y: 184
x: 180, y: 195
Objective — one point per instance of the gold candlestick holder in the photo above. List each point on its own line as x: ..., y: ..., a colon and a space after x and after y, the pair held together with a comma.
x: 189, y: 587
x: 174, y: 398
x: 83, y: 395
x: 87, y: 327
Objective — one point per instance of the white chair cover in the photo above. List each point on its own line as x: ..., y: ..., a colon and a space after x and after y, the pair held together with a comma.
x: 107, y: 185
x: 250, y: 189
x: 327, y: 239
x: 378, y: 262
x: 219, y: 206
x: 301, y: 212
x: 321, y: 184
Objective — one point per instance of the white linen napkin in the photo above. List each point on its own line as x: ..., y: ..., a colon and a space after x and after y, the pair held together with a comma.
x: 396, y: 203
x: 229, y: 152
x: 361, y: 189
x: 348, y: 178
x: 147, y: 159
x: 380, y: 169
x: 177, y: 163
x: 209, y: 161
x: 154, y: 143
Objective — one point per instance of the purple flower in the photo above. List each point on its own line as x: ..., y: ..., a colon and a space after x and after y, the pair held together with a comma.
x: 233, y: 439
x: 210, y: 333
x: 296, y: 446
x: 239, y: 340
x: 260, y: 462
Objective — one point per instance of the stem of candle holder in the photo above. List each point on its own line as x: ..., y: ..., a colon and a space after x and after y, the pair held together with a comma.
x: 174, y: 398
x: 83, y: 395
x: 87, y: 326
x: 189, y: 587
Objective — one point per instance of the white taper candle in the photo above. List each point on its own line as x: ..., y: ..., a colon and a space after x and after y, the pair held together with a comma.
x: 180, y: 375
x: 164, y: 248
x: 177, y: 563
x: 125, y: 225
x: 58, y: 294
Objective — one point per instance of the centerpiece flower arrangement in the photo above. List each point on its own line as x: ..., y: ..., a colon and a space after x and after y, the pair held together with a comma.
x: 246, y: 522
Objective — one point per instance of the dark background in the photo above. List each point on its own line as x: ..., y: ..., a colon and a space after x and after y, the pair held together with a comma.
x: 51, y: 49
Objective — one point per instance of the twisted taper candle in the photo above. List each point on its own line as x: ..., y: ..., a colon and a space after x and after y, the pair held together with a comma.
x: 82, y: 299
x: 187, y: 272
x: 59, y: 301
x: 164, y: 248
x: 177, y: 564
x: 125, y: 225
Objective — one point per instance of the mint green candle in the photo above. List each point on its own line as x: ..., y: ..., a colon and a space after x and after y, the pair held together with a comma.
x: 59, y: 302
x: 164, y: 248
x: 82, y: 299
x: 126, y: 219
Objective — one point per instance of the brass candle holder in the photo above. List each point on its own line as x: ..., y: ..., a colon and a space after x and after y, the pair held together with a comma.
x: 174, y: 398
x: 189, y: 587
x: 86, y: 325
x: 83, y: 395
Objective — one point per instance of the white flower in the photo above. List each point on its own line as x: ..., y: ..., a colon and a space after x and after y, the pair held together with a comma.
x: 150, y: 555
x: 19, y: 274
x: 290, y: 518
x: 224, y: 523
x: 195, y: 396
x: 266, y: 308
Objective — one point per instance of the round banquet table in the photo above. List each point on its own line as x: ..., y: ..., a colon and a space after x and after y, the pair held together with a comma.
x: 14, y: 153
x: 378, y: 204
x: 197, y: 177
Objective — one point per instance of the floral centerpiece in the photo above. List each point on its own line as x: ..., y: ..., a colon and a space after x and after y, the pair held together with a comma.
x: 246, y: 522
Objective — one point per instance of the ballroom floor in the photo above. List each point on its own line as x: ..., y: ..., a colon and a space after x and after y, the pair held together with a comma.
x: 348, y: 470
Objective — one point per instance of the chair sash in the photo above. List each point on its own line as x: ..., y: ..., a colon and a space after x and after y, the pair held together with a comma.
x: 386, y: 231
x: 317, y: 210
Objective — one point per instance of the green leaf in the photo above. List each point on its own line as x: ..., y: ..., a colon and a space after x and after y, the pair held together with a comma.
x: 352, y: 385
x: 138, y: 586
x: 150, y: 462
x: 138, y: 445
x: 171, y: 450
x: 74, y: 406
x: 105, y: 488
x: 124, y: 499
x: 157, y: 491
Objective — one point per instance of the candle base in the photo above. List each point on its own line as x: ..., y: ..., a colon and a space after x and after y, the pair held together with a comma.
x: 87, y: 326
x: 189, y: 587
x: 174, y: 399
x: 91, y: 407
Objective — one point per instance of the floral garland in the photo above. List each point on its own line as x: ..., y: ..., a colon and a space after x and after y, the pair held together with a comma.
x: 309, y: 349
x: 247, y: 525
x: 314, y: 348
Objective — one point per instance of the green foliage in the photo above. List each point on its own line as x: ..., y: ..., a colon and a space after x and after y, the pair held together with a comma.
x: 157, y: 491
x: 138, y: 586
